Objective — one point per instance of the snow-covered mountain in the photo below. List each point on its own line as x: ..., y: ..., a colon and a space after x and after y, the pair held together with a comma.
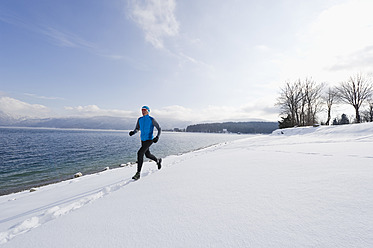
x: 98, y: 122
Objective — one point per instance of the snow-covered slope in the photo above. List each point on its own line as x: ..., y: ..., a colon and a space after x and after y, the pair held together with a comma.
x: 304, y: 187
x: 343, y: 131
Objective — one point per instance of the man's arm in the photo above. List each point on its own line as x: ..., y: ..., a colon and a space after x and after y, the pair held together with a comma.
x: 137, y: 128
x: 155, y: 123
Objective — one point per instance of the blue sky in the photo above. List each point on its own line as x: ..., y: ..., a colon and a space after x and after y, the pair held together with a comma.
x: 210, y: 60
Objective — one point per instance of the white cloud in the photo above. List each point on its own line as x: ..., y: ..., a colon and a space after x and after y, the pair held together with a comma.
x: 55, y: 35
x: 58, y: 37
x: 94, y: 110
x: 66, y: 39
x: 337, y: 44
x: 256, y: 110
x: 17, y: 108
x: 156, y: 18
x: 259, y: 109
x: 43, y: 97
x: 262, y: 48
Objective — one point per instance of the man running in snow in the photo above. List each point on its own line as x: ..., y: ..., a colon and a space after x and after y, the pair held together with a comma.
x: 146, y: 125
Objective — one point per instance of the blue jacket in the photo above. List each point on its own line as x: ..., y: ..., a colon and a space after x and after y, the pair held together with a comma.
x: 146, y: 125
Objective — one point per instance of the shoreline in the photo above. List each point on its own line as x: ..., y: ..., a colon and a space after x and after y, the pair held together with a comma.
x: 128, y: 164
x: 35, y: 157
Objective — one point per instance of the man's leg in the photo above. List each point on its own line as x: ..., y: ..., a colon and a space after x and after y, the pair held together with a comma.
x: 154, y: 158
x: 140, y: 154
x: 151, y: 156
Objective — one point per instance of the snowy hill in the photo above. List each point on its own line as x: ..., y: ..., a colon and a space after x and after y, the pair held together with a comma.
x: 300, y: 187
x: 343, y: 130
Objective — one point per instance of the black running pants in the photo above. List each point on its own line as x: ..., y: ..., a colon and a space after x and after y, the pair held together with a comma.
x: 144, y: 150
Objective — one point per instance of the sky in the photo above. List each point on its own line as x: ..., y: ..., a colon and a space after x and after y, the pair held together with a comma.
x: 191, y: 60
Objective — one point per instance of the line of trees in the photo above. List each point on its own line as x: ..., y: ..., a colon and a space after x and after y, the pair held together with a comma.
x: 234, y: 127
x: 301, y: 101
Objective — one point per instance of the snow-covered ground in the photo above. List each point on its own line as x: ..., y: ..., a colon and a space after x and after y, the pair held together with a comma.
x: 304, y: 187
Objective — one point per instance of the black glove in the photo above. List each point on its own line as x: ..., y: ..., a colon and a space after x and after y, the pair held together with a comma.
x: 132, y: 133
x: 155, y: 140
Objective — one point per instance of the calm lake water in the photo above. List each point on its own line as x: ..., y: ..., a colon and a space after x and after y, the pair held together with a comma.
x: 33, y: 157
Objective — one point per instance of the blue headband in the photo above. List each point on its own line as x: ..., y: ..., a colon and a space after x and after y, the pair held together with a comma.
x: 146, y: 107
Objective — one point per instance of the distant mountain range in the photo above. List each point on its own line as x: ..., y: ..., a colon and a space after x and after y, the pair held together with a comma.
x: 98, y: 122
x: 122, y: 123
x: 115, y: 123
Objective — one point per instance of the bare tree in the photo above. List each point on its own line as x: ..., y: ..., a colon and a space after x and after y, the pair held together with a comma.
x: 289, y: 101
x: 312, y: 98
x: 354, y: 92
x: 301, y: 101
x: 329, y: 98
x: 368, y: 114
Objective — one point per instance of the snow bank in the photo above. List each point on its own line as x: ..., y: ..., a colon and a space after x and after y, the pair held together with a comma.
x: 346, y: 131
x: 306, y: 187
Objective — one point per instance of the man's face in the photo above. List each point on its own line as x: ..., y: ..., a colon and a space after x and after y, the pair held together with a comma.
x: 144, y: 112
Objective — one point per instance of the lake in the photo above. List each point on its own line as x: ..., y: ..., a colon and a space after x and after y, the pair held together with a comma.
x: 31, y: 157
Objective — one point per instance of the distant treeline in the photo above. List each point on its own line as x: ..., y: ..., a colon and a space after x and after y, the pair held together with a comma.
x: 234, y: 127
